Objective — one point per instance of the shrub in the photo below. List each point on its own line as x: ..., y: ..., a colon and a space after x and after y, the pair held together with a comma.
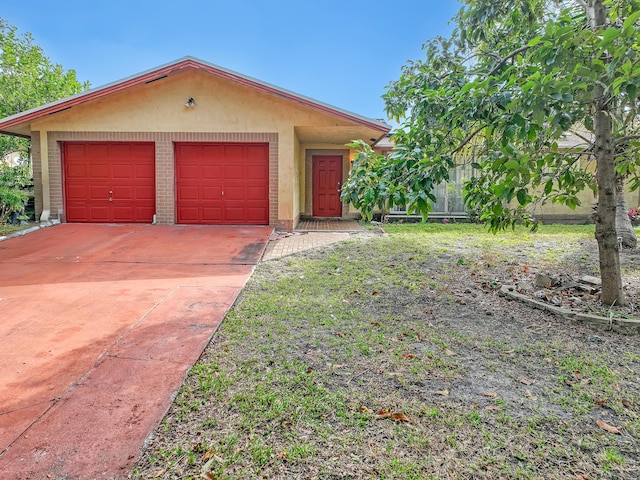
x: 13, y: 181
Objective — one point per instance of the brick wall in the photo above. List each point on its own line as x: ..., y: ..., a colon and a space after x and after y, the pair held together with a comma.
x: 165, y: 164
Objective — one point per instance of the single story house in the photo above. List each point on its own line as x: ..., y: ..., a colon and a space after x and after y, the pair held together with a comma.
x: 190, y: 142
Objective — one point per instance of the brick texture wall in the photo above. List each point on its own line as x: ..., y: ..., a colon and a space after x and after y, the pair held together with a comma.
x: 165, y: 165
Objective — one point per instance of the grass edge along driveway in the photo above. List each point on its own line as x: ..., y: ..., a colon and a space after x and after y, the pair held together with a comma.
x: 394, y: 357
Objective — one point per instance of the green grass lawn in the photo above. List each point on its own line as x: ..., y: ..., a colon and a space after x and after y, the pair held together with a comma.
x: 6, y: 229
x: 394, y: 357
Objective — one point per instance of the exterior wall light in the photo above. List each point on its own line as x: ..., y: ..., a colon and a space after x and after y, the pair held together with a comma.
x: 190, y: 103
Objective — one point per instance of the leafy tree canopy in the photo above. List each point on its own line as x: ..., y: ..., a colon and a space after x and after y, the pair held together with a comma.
x: 516, y: 77
x: 28, y: 79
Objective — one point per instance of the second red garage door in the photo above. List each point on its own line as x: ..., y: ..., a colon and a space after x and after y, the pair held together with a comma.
x: 222, y: 183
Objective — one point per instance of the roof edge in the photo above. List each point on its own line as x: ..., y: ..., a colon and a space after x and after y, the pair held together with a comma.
x: 179, y: 64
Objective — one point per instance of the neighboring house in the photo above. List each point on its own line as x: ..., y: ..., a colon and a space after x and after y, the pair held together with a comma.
x: 190, y: 142
x: 449, y: 196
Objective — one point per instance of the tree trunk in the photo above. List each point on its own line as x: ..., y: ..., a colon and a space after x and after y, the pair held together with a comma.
x: 605, y: 217
x: 626, y: 233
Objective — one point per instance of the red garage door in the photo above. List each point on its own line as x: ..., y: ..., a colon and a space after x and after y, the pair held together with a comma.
x: 109, y: 182
x: 222, y: 183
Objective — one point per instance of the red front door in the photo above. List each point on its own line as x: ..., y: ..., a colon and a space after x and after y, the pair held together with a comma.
x: 327, y: 180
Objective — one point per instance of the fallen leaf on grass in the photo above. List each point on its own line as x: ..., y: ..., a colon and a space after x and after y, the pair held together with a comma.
x: 159, y: 474
x: 388, y: 413
x: 408, y: 355
x: 383, y: 413
x: 282, y: 454
x: 208, y: 455
x: 626, y: 403
x: 444, y: 393
x: 208, y: 476
x: 609, y: 428
x: 490, y: 394
x: 449, y: 353
x: 491, y: 407
x: 375, y: 324
x: 400, y: 417
x: 526, y: 381
x: 602, y: 403
x: 528, y: 393
x: 366, y: 410
x: 374, y: 292
x: 508, y: 352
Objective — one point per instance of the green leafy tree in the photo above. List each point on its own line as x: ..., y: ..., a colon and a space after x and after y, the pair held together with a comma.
x: 28, y: 79
x: 514, y: 79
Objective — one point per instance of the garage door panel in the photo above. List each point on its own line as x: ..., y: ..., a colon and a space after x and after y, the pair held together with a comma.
x: 212, y: 214
x: 212, y: 172
x: 122, y: 193
x: 211, y: 193
x: 98, y: 171
x: 77, y: 171
x: 98, y: 193
x: 234, y: 193
x: 122, y: 171
x: 145, y: 172
x: 257, y: 172
x: 123, y: 213
x: 145, y: 193
x: 235, y: 172
x: 100, y: 214
x: 144, y: 212
x: 256, y: 193
x: 188, y: 193
x: 239, y: 170
x: 256, y: 213
x: 95, y: 172
x: 188, y: 214
x: 77, y: 192
x: 188, y: 171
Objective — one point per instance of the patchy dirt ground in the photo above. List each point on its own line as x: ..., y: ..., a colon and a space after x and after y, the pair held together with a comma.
x: 395, y: 357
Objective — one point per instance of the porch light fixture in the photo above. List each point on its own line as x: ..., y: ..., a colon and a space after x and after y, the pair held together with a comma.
x: 190, y: 103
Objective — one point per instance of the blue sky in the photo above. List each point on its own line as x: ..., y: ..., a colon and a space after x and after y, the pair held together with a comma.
x: 340, y: 52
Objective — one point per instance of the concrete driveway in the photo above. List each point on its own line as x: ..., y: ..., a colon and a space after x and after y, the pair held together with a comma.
x: 98, y: 326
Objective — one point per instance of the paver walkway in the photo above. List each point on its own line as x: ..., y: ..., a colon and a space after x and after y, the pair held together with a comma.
x: 310, y: 234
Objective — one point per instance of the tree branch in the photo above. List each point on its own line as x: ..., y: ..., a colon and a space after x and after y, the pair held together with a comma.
x: 466, y: 141
x: 505, y: 59
x: 626, y: 139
